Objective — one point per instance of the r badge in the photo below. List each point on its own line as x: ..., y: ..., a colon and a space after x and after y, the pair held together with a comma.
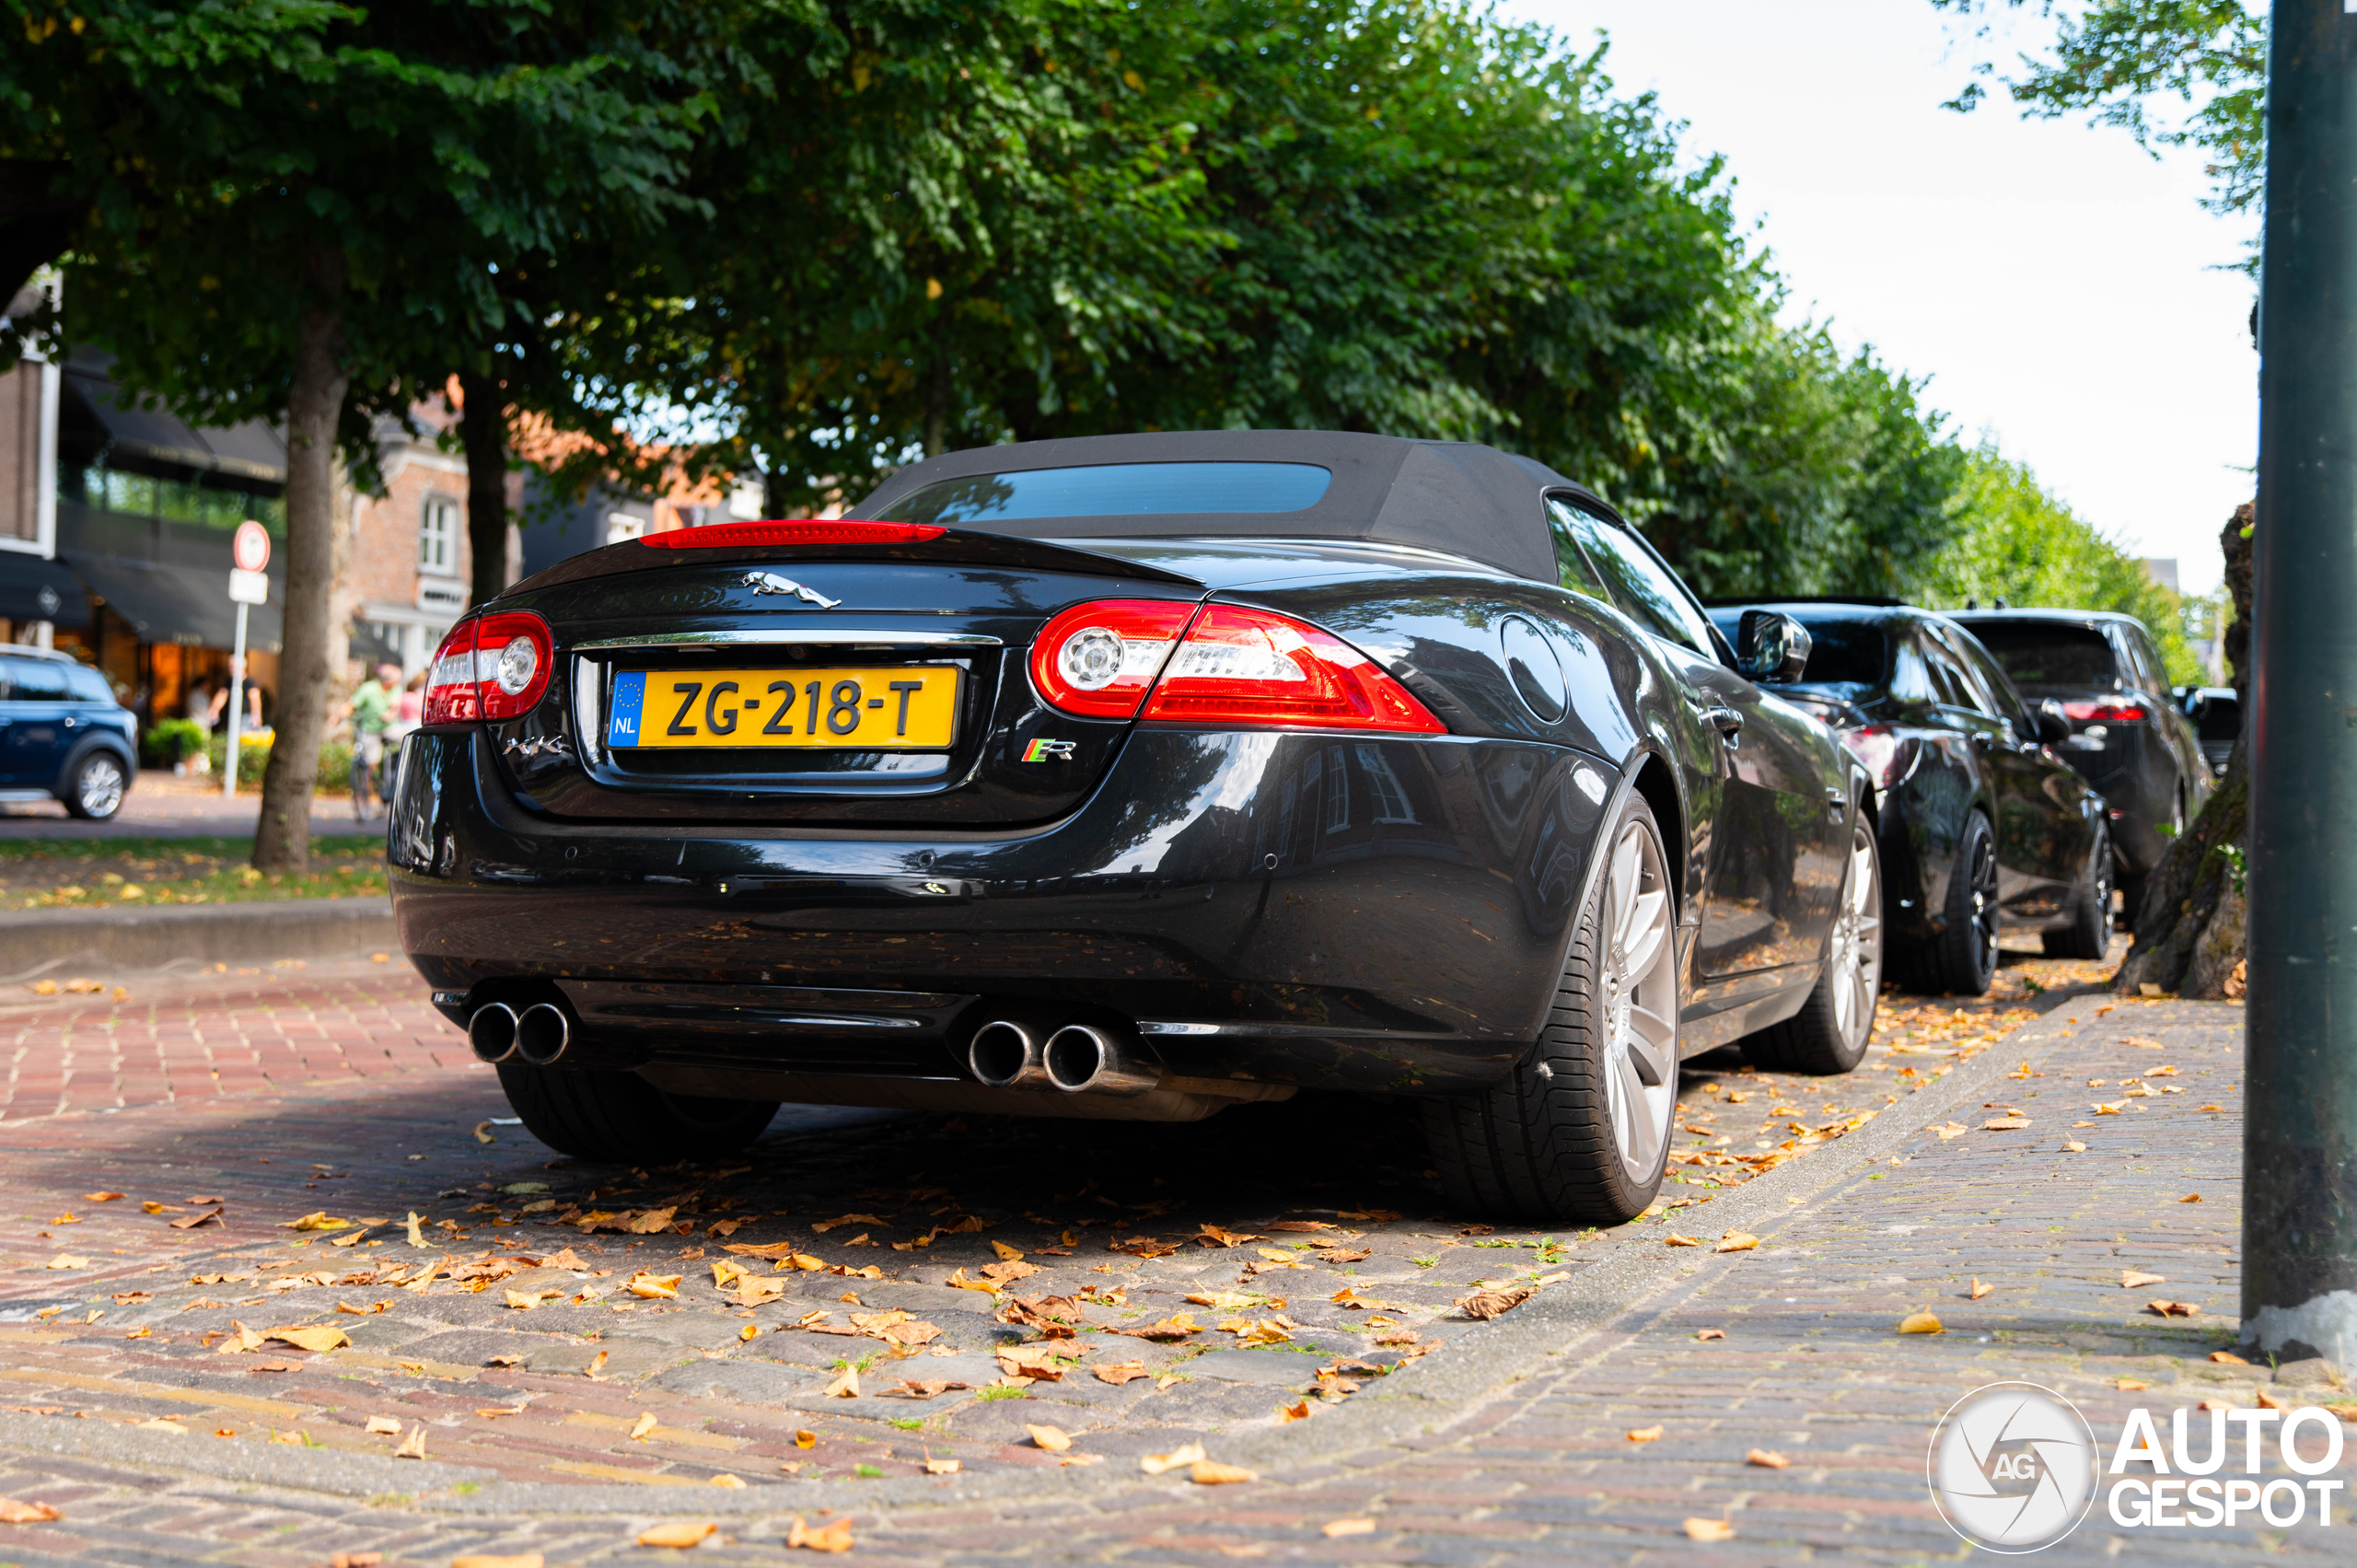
x: 1049, y: 751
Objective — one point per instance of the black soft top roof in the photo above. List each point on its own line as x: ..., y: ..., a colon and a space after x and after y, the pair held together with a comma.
x: 1456, y: 496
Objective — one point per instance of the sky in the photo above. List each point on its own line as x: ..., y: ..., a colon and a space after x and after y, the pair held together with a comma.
x: 2062, y: 289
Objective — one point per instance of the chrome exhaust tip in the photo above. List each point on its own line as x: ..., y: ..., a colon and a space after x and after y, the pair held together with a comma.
x: 1006, y: 1053
x: 1087, y: 1059
x: 490, y: 1033
x: 542, y: 1032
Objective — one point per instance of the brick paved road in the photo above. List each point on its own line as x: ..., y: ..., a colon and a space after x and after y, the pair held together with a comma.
x: 1542, y: 1470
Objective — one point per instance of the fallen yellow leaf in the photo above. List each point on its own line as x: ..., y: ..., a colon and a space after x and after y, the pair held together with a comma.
x: 806, y: 1440
x: 845, y: 1385
x: 832, y: 1536
x: 1210, y: 1472
x: 1920, y: 1323
x: 1049, y: 1437
x: 1679, y: 1242
x: 383, y: 1426
x: 2227, y: 1358
x: 1766, y: 1458
x: 2130, y: 1385
x: 1336, y: 1528
x: 1007, y: 1254
x: 2134, y: 1277
x: 2190, y: 1198
x: 941, y: 1467
x: 1710, y: 1333
x: 319, y: 1338
x: 1979, y: 1290
x: 1709, y: 1530
x: 1737, y: 1241
x: 1185, y: 1454
x: 318, y: 1220
x: 1645, y: 1434
x: 682, y: 1536
x: 15, y: 1513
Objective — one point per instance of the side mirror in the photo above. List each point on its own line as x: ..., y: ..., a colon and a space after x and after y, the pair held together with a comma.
x: 1771, y: 647
x: 2053, y: 723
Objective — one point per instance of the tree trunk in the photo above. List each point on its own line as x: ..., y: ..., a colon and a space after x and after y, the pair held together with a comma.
x: 937, y: 391
x: 2189, y: 928
x: 483, y: 431
x: 310, y: 659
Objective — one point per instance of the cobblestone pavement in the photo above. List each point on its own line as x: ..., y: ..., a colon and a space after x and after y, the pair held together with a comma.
x: 562, y: 1417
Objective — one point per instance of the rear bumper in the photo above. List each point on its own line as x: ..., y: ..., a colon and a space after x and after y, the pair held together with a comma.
x: 2130, y: 768
x: 1371, y: 914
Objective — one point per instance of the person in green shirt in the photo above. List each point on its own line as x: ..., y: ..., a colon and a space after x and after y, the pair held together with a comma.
x: 371, y: 709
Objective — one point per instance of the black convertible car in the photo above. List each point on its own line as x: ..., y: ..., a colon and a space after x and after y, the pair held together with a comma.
x: 1139, y: 777
x: 1984, y: 827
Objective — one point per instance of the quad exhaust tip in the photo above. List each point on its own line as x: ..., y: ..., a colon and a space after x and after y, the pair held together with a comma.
x: 1010, y: 1054
x: 542, y: 1031
x: 492, y: 1032
x: 1087, y: 1059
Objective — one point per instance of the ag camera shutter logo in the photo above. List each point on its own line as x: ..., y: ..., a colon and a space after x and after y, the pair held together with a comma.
x: 2013, y: 1468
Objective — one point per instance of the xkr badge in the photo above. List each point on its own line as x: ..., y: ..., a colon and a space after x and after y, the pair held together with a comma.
x: 1049, y: 751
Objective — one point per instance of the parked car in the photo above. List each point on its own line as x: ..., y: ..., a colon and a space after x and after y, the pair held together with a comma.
x: 2216, y: 713
x: 2128, y: 737
x: 1983, y: 827
x: 1137, y: 777
x: 62, y: 736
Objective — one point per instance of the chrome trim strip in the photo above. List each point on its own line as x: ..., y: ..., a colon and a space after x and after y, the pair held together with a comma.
x: 815, y: 637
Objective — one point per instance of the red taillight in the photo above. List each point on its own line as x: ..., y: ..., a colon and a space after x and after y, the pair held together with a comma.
x: 450, y: 693
x: 490, y: 666
x: 1252, y: 667
x: 1099, y: 660
x: 2103, y: 710
x: 800, y: 531
x: 1876, y: 746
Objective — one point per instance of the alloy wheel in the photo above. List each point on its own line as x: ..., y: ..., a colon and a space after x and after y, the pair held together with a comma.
x: 1640, y: 996
x: 1984, y: 905
x: 1855, y: 962
x: 99, y: 789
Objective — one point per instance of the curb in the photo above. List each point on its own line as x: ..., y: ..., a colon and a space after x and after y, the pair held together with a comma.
x: 1415, y: 1408
x: 38, y: 941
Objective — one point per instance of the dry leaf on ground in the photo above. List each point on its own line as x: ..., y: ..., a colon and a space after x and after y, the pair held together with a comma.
x: 191, y: 1221
x: 413, y: 1445
x: 1126, y: 1372
x: 1737, y: 1241
x: 1710, y: 1333
x: 806, y: 1439
x: 654, y: 1288
x: 2190, y: 1198
x: 2135, y: 1277
x: 2073, y: 1147
x: 2173, y: 1309
x: 2227, y: 1358
x: 1953, y: 1130
x: 1709, y: 1530
x: 2004, y: 1124
x: 470, y: 1560
x: 925, y: 1388
x: 1051, y: 1438
x: 1185, y: 1454
x: 1177, y: 1326
x: 832, y: 1536
x: 1645, y: 1434
x: 2130, y: 1385
x: 643, y: 1425
x: 1920, y: 1323
x: 1334, y: 1527
x: 320, y: 1337
x: 1766, y: 1458
x: 1485, y: 1305
x: 845, y: 1385
x: 1979, y: 1289
x: 67, y: 1260
x: 383, y: 1426
x: 681, y: 1535
x: 317, y: 1220
x: 15, y: 1513
x: 1210, y: 1472
x: 941, y: 1467
x: 1680, y: 1241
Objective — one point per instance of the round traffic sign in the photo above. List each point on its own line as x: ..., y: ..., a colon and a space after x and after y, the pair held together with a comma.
x: 250, y: 547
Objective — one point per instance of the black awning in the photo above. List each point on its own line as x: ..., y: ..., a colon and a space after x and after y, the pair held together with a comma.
x: 34, y: 589
x: 250, y: 452
x: 192, y: 608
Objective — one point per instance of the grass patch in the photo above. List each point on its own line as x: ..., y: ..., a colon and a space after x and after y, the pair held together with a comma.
x: 868, y: 1472
x: 1000, y: 1391
x: 907, y: 1424
x: 143, y: 872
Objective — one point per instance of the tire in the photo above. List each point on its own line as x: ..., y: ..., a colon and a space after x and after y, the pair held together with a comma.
x: 1575, y: 1133
x: 1963, y: 957
x: 621, y: 1119
x: 1830, y: 1032
x: 95, y: 790
x: 2089, y: 934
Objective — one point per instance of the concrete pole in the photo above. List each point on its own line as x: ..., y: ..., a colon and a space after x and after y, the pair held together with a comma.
x: 2300, y: 1082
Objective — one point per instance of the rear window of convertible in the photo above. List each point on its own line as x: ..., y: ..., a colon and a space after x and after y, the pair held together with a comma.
x: 1117, y: 490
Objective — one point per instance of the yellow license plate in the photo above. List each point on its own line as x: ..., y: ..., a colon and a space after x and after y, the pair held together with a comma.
x: 904, y: 708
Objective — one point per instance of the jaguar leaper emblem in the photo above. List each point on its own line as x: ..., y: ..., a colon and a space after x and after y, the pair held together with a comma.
x: 771, y: 583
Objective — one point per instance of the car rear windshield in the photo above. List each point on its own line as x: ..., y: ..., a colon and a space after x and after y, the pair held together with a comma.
x: 2040, y: 654
x: 1118, y: 489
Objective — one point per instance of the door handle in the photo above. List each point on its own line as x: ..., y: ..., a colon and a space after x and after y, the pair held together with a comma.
x: 1727, y: 721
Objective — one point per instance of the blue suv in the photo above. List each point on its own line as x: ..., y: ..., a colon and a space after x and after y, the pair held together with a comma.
x: 62, y: 736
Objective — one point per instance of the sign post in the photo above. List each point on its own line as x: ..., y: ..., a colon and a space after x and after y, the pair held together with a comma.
x: 248, y: 586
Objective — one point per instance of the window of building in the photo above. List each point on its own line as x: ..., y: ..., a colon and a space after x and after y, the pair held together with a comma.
x: 437, y: 537
x: 621, y: 526
x: 1338, y: 791
x: 1391, y: 799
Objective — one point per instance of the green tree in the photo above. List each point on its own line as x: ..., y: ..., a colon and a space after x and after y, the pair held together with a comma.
x: 2115, y: 59
x: 299, y: 211
x: 2017, y: 541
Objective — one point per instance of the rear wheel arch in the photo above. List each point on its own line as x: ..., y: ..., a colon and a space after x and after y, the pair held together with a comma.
x: 1657, y: 783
